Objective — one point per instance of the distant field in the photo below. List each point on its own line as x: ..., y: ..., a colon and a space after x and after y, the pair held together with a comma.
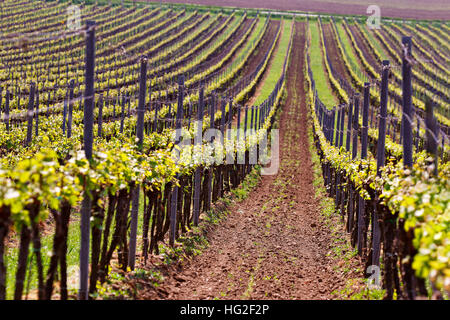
x: 304, y: 178
x: 431, y: 9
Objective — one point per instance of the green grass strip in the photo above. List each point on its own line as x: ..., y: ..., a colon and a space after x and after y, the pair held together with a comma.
x: 73, y: 257
x: 351, y: 56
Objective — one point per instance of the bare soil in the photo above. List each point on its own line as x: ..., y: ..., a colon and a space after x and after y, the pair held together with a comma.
x: 413, y: 9
x: 275, y: 243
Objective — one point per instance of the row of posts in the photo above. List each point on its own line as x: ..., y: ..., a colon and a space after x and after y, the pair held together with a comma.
x: 327, y: 119
x: 88, y: 141
x: 33, y: 112
x: 332, y: 124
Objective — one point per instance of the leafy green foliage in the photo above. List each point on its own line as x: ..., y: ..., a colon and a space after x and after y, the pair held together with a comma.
x: 419, y: 197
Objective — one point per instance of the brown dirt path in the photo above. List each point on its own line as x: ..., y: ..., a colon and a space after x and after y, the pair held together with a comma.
x: 274, y: 244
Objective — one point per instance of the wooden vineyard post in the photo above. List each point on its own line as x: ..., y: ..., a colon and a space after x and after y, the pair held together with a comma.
x: 69, y: 120
x: 349, y: 192
x: 141, y: 106
x: 417, y: 135
x: 333, y: 126
x: 431, y: 134
x: 252, y: 115
x: 319, y: 112
x: 88, y: 138
x: 326, y: 132
x: 229, y: 154
x: 364, y: 135
x: 355, y: 126
x: 197, y: 174
x: 244, y: 169
x: 321, y: 116
x: 36, y: 131
x: 114, y: 105
x: 150, y: 96
x: 376, y: 235
x: 238, y: 153
x: 7, y: 110
x: 341, y: 131
x: 100, y: 115
x: 338, y: 126
x: 349, y: 125
x: 211, y: 140
x: 365, y: 119
x: 64, y: 115
x: 336, y: 144
x: 155, y: 120
x: 329, y: 125
x: 189, y: 114
x: 18, y: 96
x: 263, y: 114
x: 136, y: 187
x: 222, y: 131
x: 178, y: 123
x: 122, y: 112
x: 30, y: 114
x: 254, y: 150
x: 383, y: 114
x: 334, y: 139
x: 407, y: 107
x: 129, y: 104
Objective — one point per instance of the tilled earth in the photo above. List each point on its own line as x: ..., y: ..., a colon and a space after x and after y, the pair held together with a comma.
x: 274, y: 244
x: 412, y: 9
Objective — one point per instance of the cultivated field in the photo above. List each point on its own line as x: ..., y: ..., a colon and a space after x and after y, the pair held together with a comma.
x: 415, y: 9
x: 160, y: 152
